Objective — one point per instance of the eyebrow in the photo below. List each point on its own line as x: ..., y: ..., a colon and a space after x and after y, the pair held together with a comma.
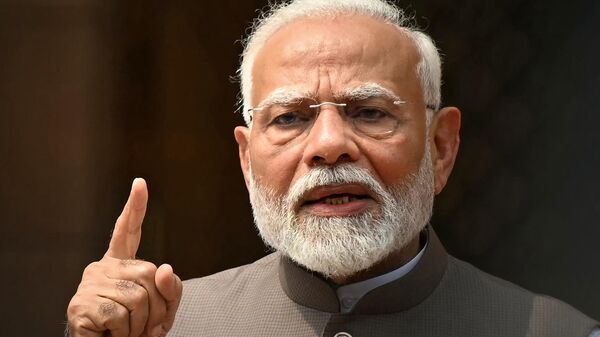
x: 367, y: 91
x: 361, y: 92
x: 284, y: 96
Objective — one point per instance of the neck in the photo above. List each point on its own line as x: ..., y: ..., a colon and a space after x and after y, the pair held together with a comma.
x: 393, y: 261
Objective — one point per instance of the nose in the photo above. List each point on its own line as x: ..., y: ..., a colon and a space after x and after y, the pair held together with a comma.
x: 330, y: 140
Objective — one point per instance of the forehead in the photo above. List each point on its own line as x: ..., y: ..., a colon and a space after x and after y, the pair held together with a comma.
x: 325, y: 55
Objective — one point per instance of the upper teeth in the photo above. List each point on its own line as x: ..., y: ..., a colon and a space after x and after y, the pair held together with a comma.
x: 338, y: 200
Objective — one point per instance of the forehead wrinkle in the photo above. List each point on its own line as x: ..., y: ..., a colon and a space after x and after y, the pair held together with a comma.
x: 366, y: 91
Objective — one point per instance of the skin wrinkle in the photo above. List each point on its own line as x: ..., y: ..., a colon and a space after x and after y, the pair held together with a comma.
x: 291, y: 75
x: 126, y: 287
x: 428, y: 61
x: 289, y: 95
x: 349, y: 64
x: 107, y: 309
x: 129, y: 262
x: 285, y: 96
x: 322, y: 244
x: 383, y: 56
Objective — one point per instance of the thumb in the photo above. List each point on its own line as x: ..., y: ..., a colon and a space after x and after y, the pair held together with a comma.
x: 170, y: 287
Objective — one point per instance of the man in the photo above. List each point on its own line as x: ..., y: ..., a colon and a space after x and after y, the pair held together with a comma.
x: 344, y: 149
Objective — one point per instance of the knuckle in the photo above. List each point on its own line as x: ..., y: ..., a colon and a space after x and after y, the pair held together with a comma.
x: 79, y: 306
x: 79, y: 315
x: 92, y: 276
x: 126, y: 263
x: 136, y: 293
x: 107, y: 309
x: 126, y: 287
x: 148, y: 270
x: 77, y: 325
x: 91, y: 268
x: 140, y: 297
x: 75, y: 308
x: 112, y: 313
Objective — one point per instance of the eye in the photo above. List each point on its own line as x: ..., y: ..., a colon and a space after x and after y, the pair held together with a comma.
x: 288, y: 119
x: 369, y: 114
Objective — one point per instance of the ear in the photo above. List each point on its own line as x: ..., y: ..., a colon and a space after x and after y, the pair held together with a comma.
x: 242, y: 137
x: 444, y: 135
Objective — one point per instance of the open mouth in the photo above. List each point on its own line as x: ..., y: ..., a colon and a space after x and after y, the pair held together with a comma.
x: 337, y: 200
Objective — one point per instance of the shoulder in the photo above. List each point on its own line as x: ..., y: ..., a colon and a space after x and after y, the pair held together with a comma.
x: 213, y: 305
x: 260, y: 266
x: 543, y: 315
x: 467, y: 274
x: 232, y: 280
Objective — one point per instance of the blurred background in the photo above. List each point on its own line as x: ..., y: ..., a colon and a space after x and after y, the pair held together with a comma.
x: 95, y: 93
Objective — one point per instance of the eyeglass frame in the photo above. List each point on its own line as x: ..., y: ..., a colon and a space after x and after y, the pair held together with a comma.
x: 317, y: 106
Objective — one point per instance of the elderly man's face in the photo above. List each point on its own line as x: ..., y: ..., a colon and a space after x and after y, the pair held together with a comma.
x: 327, y: 58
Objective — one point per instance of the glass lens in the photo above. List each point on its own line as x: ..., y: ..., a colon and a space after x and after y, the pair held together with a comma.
x: 285, y: 122
x: 374, y: 118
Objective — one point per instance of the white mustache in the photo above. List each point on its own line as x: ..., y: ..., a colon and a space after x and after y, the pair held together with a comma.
x: 334, y: 175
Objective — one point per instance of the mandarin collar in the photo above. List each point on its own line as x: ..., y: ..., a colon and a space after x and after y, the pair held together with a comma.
x: 311, y: 290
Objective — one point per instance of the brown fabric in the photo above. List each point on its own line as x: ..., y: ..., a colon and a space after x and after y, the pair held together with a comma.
x: 462, y: 301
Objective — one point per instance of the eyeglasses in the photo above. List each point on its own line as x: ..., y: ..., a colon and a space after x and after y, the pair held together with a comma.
x: 377, y: 117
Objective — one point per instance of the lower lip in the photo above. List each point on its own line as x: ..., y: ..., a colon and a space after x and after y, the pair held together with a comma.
x: 347, y: 209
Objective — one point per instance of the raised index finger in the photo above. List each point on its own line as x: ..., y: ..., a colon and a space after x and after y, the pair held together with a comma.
x: 128, y: 228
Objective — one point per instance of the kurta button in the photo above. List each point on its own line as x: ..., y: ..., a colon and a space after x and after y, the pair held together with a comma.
x: 342, y: 334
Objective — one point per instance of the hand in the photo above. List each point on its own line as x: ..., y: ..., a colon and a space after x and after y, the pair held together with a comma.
x: 121, y: 295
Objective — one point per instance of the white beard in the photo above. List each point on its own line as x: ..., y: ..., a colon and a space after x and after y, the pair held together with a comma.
x: 340, y: 246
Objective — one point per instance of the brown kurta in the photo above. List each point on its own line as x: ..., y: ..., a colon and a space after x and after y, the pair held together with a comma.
x: 441, y: 296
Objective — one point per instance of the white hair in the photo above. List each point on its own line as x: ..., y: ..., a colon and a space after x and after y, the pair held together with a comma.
x: 279, y: 15
x: 340, y: 246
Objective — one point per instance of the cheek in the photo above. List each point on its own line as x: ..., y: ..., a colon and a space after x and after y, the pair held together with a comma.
x: 395, y: 159
x: 274, y: 167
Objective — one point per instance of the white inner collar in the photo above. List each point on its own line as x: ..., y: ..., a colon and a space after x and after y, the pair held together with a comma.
x: 350, y: 294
